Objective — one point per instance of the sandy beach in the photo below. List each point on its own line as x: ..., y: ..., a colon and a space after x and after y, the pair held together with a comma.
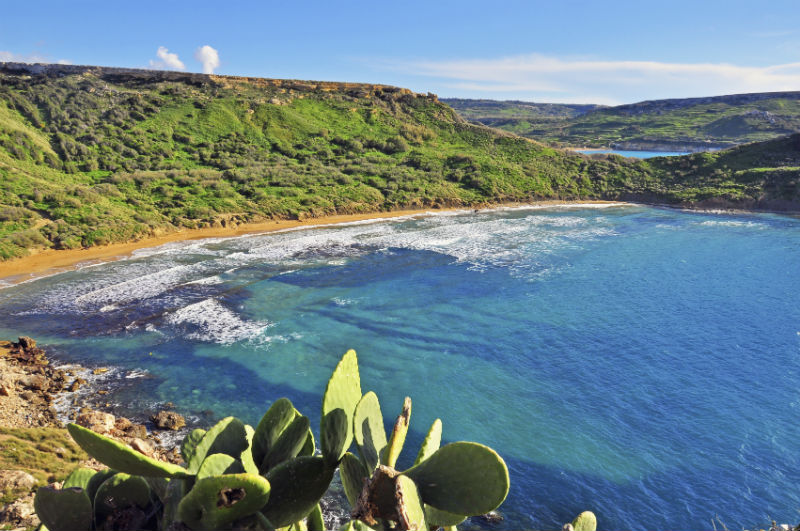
x: 47, y: 262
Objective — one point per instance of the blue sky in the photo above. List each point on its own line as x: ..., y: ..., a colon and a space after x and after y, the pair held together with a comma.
x: 555, y: 51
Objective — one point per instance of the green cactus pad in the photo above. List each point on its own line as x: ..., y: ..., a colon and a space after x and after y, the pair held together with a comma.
x: 218, y: 501
x: 586, y: 521
x: 96, y: 480
x: 79, y: 477
x: 462, y: 478
x: 219, y: 464
x: 121, y: 457
x: 173, y: 496
x: 309, y: 447
x: 190, y: 443
x: 431, y: 442
x: 368, y: 430
x: 246, y: 457
x: 398, y: 437
x: 297, y: 486
x: 277, y: 418
x: 288, y: 445
x: 352, y: 473
x: 227, y: 436
x: 410, y: 512
x: 342, y: 394
x: 334, y: 436
x: 63, y: 509
x: 120, y: 491
x: 158, y: 486
x: 315, y: 521
x: 435, y: 517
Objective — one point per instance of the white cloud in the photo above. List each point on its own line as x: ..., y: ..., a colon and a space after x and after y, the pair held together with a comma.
x: 168, y: 60
x: 209, y: 57
x: 544, y: 78
x: 12, y: 57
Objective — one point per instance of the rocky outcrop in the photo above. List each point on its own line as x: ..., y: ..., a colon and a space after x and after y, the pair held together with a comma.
x: 168, y: 420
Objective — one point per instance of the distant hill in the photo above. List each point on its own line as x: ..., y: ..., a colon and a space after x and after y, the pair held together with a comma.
x: 688, y: 124
x: 93, y: 155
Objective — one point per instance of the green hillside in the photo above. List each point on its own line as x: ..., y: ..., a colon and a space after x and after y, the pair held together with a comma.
x: 680, y: 124
x: 90, y: 156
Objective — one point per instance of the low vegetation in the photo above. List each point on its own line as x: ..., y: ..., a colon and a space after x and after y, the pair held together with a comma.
x: 672, y: 125
x: 91, y: 156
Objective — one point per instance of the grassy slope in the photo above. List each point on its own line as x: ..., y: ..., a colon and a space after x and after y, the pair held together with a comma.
x: 727, y: 120
x: 89, y: 157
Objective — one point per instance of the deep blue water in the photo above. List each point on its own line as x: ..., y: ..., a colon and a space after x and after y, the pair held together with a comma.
x: 634, y: 154
x: 641, y: 363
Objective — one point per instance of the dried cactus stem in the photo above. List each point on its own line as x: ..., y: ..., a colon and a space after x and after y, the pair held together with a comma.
x: 377, y: 500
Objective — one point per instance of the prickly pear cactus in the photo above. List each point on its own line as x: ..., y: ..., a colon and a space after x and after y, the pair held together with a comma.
x: 228, y: 436
x: 219, y: 464
x: 431, y: 443
x: 297, y: 486
x: 338, y: 404
x: 368, y: 430
x: 586, y: 521
x: 410, y: 510
x: 79, y: 477
x: 119, y: 492
x: 398, y: 437
x: 277, y: 418
x: 63, y: 509
x: 216, y: 502
x: 462, y: 478
x: 120, y: 456
x: 353, y: 474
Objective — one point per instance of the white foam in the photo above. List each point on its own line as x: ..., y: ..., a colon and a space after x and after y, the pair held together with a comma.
x: 733, y: 223
x: 212, y: 322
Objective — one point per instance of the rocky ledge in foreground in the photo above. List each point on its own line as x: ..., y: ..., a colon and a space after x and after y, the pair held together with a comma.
x: 37, y: 451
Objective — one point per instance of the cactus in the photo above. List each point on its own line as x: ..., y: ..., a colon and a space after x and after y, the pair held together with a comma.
x: 410, y: 510
x: 462, y: 478
x: 353, y: 474
x: 277, y: 418
x: 217, y: 501
x: 398, y: 437
x: 96, y: 480
x: 228, y: 436
x: 79, y: 477
x: 436, y: 517
x: 190, y: 442
x: 586, y: 521
x: 67, y: 509
x: 368, y: 430
x: 338, y: 403
x: 431, y: 443
x: 219, y: 464
x: 119, y: 492
x: 297, y: 486
x: 121, y: 457
x: 315, y: 521
x: 246, y: 457
x: 288, y: 445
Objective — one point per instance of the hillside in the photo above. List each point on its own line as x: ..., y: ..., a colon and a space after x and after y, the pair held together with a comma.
x: 90, y: 156
x: 671, y: 125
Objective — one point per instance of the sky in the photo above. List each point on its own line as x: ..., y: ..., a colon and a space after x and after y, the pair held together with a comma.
x: 555, y: 51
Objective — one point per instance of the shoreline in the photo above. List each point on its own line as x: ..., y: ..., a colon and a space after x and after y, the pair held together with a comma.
x: 42, y: 263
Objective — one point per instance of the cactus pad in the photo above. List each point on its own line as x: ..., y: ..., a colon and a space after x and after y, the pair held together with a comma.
x: 315, y: 521
x: 228, y: 436
x: 586, y: 521
x: 219, y: 464
x: 121, y: 457
x: 190, y: 443
x: 368, y: 430
x: 277, y: 418
x: 342, y: 394
x: 353, y: 474
x: 435, y: 517
x: 462, y: 478
x: 410, y: 512
x: 398, y: 437
x: 79, y: 477
x: 218, y: 501
x: 288, y: 445
x: 431, y: 442
x: 63, y: 509
x: 297, y: 486
x: 120, y: 491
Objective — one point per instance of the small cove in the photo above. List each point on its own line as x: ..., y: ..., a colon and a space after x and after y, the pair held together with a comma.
x: 638, y: 362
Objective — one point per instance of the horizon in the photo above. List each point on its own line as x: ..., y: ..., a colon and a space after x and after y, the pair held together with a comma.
x: 573, y: 53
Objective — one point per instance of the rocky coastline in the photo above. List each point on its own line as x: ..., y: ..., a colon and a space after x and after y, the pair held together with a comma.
x: 39, y: 395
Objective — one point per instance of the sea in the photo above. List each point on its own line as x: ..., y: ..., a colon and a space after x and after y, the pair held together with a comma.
x: 639, y: 362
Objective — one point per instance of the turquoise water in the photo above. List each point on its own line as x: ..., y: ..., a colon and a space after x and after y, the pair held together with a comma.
x: 642, y: 363
x: 634, y: 154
